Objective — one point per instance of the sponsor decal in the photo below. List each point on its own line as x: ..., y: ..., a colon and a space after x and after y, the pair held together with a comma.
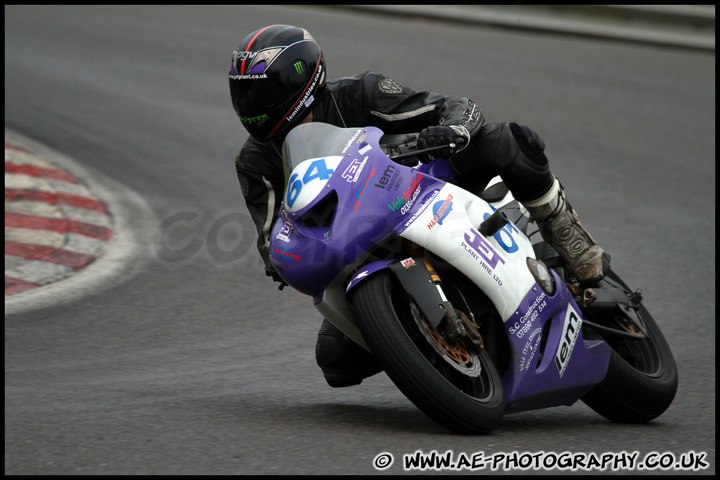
x: 365, y: 149
x: 407, y: 263
x: 479, y: 248
x: 361, y: 194
x: 309, y: 98
x: 248, y: 76
x: 528, y: 352
x: 284, y: 232
x: 419, y: 211
x: 285, y: 252
x: 299, y: 67
x: 479, y: 245
x: 521, y: 326
x: 244, y: 55
x: 353, y: 171
x: 440, y: 211
x: 251, y: 120
x: 570, y: 333
x: 405, y: 203
x: 390, y: 178
x: 350, y: 142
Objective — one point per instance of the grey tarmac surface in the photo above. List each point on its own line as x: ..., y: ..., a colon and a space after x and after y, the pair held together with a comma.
x: 198, y: 365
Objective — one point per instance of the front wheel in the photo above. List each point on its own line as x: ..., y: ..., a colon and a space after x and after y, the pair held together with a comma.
x: 458, y: 388
x: 642, y: 376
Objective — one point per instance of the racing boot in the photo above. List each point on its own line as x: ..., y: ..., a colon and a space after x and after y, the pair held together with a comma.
x: 343, y: 362
x: 560, y: 227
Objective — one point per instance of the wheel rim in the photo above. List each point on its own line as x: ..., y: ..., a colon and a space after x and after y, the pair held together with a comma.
x: 457, y: 356
x: 641, y: 354
x: 471, y: 378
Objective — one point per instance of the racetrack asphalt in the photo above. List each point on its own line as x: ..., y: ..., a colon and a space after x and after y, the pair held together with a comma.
x: 199, y: 365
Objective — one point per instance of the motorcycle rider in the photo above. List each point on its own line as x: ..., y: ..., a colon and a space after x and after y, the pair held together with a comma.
x: 278, y: 81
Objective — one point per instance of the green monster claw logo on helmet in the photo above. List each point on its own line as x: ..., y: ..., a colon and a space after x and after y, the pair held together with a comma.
x: 276, y: 75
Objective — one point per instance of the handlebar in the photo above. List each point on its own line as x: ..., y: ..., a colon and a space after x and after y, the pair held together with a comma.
x: 425, y: 150
x: 404, y: 146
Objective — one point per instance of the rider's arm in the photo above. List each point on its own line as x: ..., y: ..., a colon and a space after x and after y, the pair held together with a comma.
x: 399, y: 109
x: 262, y: 190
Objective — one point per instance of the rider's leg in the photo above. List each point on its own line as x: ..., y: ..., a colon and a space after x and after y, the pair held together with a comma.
x: 517, y: 154
x: 343, y: 362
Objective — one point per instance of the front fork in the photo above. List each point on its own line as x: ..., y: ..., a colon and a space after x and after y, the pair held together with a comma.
x: 456, y: 326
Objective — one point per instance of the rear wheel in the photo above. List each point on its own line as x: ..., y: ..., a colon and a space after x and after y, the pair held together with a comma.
x: 642, y: 377
x: 456, y: 386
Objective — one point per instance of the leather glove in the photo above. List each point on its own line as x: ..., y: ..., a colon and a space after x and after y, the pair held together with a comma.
x: 442, y: 135
x: 271, y: 272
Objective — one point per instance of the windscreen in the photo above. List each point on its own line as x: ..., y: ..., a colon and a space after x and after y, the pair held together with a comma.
x: 315, y: 140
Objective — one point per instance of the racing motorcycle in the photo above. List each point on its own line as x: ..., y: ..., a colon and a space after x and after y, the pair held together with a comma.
x: 468, y: 316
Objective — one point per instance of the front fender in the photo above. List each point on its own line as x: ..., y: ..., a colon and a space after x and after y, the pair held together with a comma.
x: 415, y: 279
x: 364, y: 272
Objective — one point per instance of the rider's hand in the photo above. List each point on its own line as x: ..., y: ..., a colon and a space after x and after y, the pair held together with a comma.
x: 270, y: 272
x: 441, y: 135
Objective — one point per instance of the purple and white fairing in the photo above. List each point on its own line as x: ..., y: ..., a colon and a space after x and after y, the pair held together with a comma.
x: 344, y: 196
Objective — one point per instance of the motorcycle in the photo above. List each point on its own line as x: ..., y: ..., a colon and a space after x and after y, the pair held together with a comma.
x: 469, y: 317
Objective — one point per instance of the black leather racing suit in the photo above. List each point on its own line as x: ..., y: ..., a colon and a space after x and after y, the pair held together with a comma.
x: 515, y: 152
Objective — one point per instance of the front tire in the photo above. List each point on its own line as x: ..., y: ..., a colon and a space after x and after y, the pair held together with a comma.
x: 460, y: 390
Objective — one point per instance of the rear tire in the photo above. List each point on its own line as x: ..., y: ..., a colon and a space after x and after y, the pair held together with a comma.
x: 642, y: 377
x: 465, y: 398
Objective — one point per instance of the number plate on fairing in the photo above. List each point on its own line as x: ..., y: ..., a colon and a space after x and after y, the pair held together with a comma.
x: 307, y: 181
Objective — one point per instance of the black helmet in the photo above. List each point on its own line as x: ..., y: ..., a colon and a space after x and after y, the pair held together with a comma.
x: 275, y: 76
